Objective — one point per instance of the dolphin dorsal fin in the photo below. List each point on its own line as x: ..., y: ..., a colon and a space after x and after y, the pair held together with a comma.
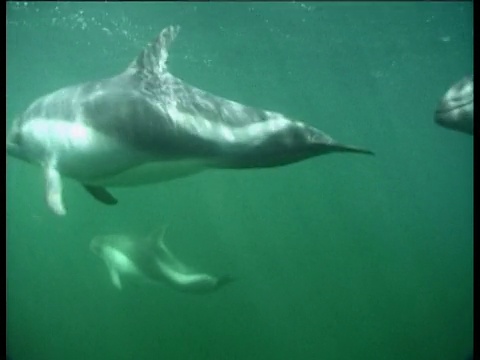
x: 160, y: 236
x: 153, y: 58
x: 164, y: 255
x: 156, y: 238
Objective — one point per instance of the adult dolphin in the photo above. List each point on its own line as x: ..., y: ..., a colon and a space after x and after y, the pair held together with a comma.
x: 148, y: 260
x: 455, y: 109
x: 146, y: 125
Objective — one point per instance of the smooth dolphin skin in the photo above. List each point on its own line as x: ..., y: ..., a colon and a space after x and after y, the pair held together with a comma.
x: 455, y: 109
x: 149, y: 260
x: 147, y: 126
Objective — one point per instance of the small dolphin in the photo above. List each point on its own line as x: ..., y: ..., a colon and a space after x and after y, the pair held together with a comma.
x: 455, y: 109
x: 149, y: 260
x: 146, y: 126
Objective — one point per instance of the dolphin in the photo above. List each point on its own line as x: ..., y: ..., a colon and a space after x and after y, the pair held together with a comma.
x: 146, y: 126
x: 148, y: 260
x: 455, y: 109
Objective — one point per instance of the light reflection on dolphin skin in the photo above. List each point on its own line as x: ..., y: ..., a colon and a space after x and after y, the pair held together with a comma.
x: 455, y: 109
x: 146, y: 126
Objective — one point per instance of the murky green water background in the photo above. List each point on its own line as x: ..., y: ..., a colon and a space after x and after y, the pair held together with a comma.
x: 338, y: 257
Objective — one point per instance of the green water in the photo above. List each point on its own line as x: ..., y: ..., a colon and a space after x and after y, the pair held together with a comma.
x: 338, y: 257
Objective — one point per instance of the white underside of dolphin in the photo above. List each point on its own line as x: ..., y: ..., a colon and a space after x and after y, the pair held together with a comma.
x: 146, y: 126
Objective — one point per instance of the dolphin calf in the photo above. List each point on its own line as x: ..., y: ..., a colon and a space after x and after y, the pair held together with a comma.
x: 149, y: 260
x: 455, y: 109
x: 145, y: 125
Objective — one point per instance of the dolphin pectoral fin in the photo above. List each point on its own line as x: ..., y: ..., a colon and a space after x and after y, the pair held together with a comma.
x: 101, y: 194
x: 115, y: 278
x: 53, y: 182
